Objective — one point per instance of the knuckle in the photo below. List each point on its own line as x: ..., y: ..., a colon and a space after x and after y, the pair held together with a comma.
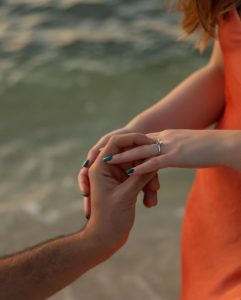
x: 114, y: 138
x: 92, y: 171
x: 92, y: 151
x: 169, y: 134
x: 142, y: 138
x: 139, y: 151
x: 80, y: 175
x: 178, y: 150
x: 137, y: 134
x: 103, y: 140
x: 168, y: 131
x: 95, y: 150
x: 155, y: 162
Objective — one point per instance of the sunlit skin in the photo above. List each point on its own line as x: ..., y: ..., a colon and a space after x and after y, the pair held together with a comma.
x: 150, y: 190
x: 185, y: 149
x: 188, y: 106
x: 198, y: 126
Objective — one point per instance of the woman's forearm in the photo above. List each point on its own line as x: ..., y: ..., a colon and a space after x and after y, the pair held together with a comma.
x: 232, y: 150
x: 196, y: 103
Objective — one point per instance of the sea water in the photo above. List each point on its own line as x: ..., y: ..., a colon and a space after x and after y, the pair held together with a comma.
x: 70, y: 71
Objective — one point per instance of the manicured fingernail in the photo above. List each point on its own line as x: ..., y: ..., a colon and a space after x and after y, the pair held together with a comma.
x: 108, y: 158
x: 85, y: 163
x: 130, y: 171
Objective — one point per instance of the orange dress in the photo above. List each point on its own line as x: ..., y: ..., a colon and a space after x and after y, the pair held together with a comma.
x: 211, y: 236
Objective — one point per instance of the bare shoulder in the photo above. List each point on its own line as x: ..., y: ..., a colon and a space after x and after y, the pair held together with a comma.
x: 216, y: 59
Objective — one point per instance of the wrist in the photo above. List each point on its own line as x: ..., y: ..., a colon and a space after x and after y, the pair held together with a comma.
x: 134, y: 125
x: 142, y: 124
x: 102, y: 242
x: 232, y: 149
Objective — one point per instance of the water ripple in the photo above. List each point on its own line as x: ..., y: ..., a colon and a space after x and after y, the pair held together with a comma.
x: 37, y: 36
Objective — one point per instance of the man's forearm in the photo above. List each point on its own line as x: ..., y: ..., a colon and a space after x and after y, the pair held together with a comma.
x: 40, y: 272
x: 196, y: 103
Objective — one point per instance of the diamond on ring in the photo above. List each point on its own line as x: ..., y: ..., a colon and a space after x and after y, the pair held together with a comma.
x: 159, y: 143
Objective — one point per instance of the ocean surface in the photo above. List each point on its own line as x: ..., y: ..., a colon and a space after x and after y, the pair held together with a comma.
x: 70, y: 71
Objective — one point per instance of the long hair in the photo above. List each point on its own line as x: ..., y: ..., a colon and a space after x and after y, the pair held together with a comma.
x: 203, y: 16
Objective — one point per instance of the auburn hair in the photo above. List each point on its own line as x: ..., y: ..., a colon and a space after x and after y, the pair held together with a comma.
x: 203, y: 16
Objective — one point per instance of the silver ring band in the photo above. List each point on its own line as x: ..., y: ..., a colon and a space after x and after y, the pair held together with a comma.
x: 159, y: 143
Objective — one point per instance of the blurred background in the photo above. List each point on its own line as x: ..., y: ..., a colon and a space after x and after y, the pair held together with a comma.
x: 70, y: 71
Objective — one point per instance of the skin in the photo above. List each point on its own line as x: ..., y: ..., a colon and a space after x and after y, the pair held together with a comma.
x: 41, y: 271
x: 186, y: 149
x: 191, y: 105
x: 150, y: 190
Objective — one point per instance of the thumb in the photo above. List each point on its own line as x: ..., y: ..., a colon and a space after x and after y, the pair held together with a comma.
x: 134, y: 184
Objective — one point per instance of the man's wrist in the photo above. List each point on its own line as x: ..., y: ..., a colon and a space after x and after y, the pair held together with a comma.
x: 100, y: 242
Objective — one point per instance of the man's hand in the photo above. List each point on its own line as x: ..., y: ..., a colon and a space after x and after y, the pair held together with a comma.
x: 41, y: 271
x: 150, y: 190
x: 113, y: 194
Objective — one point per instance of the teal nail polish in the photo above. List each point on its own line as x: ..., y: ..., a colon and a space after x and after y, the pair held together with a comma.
x: 85, y: 163
x: 108, y: 158
x: 130, y: 171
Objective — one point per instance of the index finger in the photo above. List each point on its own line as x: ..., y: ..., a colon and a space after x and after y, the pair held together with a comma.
x: 117, y: 142
x: 95, y: 150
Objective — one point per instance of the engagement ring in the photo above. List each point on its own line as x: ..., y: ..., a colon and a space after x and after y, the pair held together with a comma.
x: 159, y: 143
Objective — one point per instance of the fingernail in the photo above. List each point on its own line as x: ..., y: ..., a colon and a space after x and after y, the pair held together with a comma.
x: 130, y: 171
x: 153, y: 203
x: 108, y: 158
x: 85, y: 163
x: 84, y: 194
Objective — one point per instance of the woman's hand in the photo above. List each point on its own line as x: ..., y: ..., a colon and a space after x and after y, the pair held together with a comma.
x: 150, y: 190
x: 179, y: 148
